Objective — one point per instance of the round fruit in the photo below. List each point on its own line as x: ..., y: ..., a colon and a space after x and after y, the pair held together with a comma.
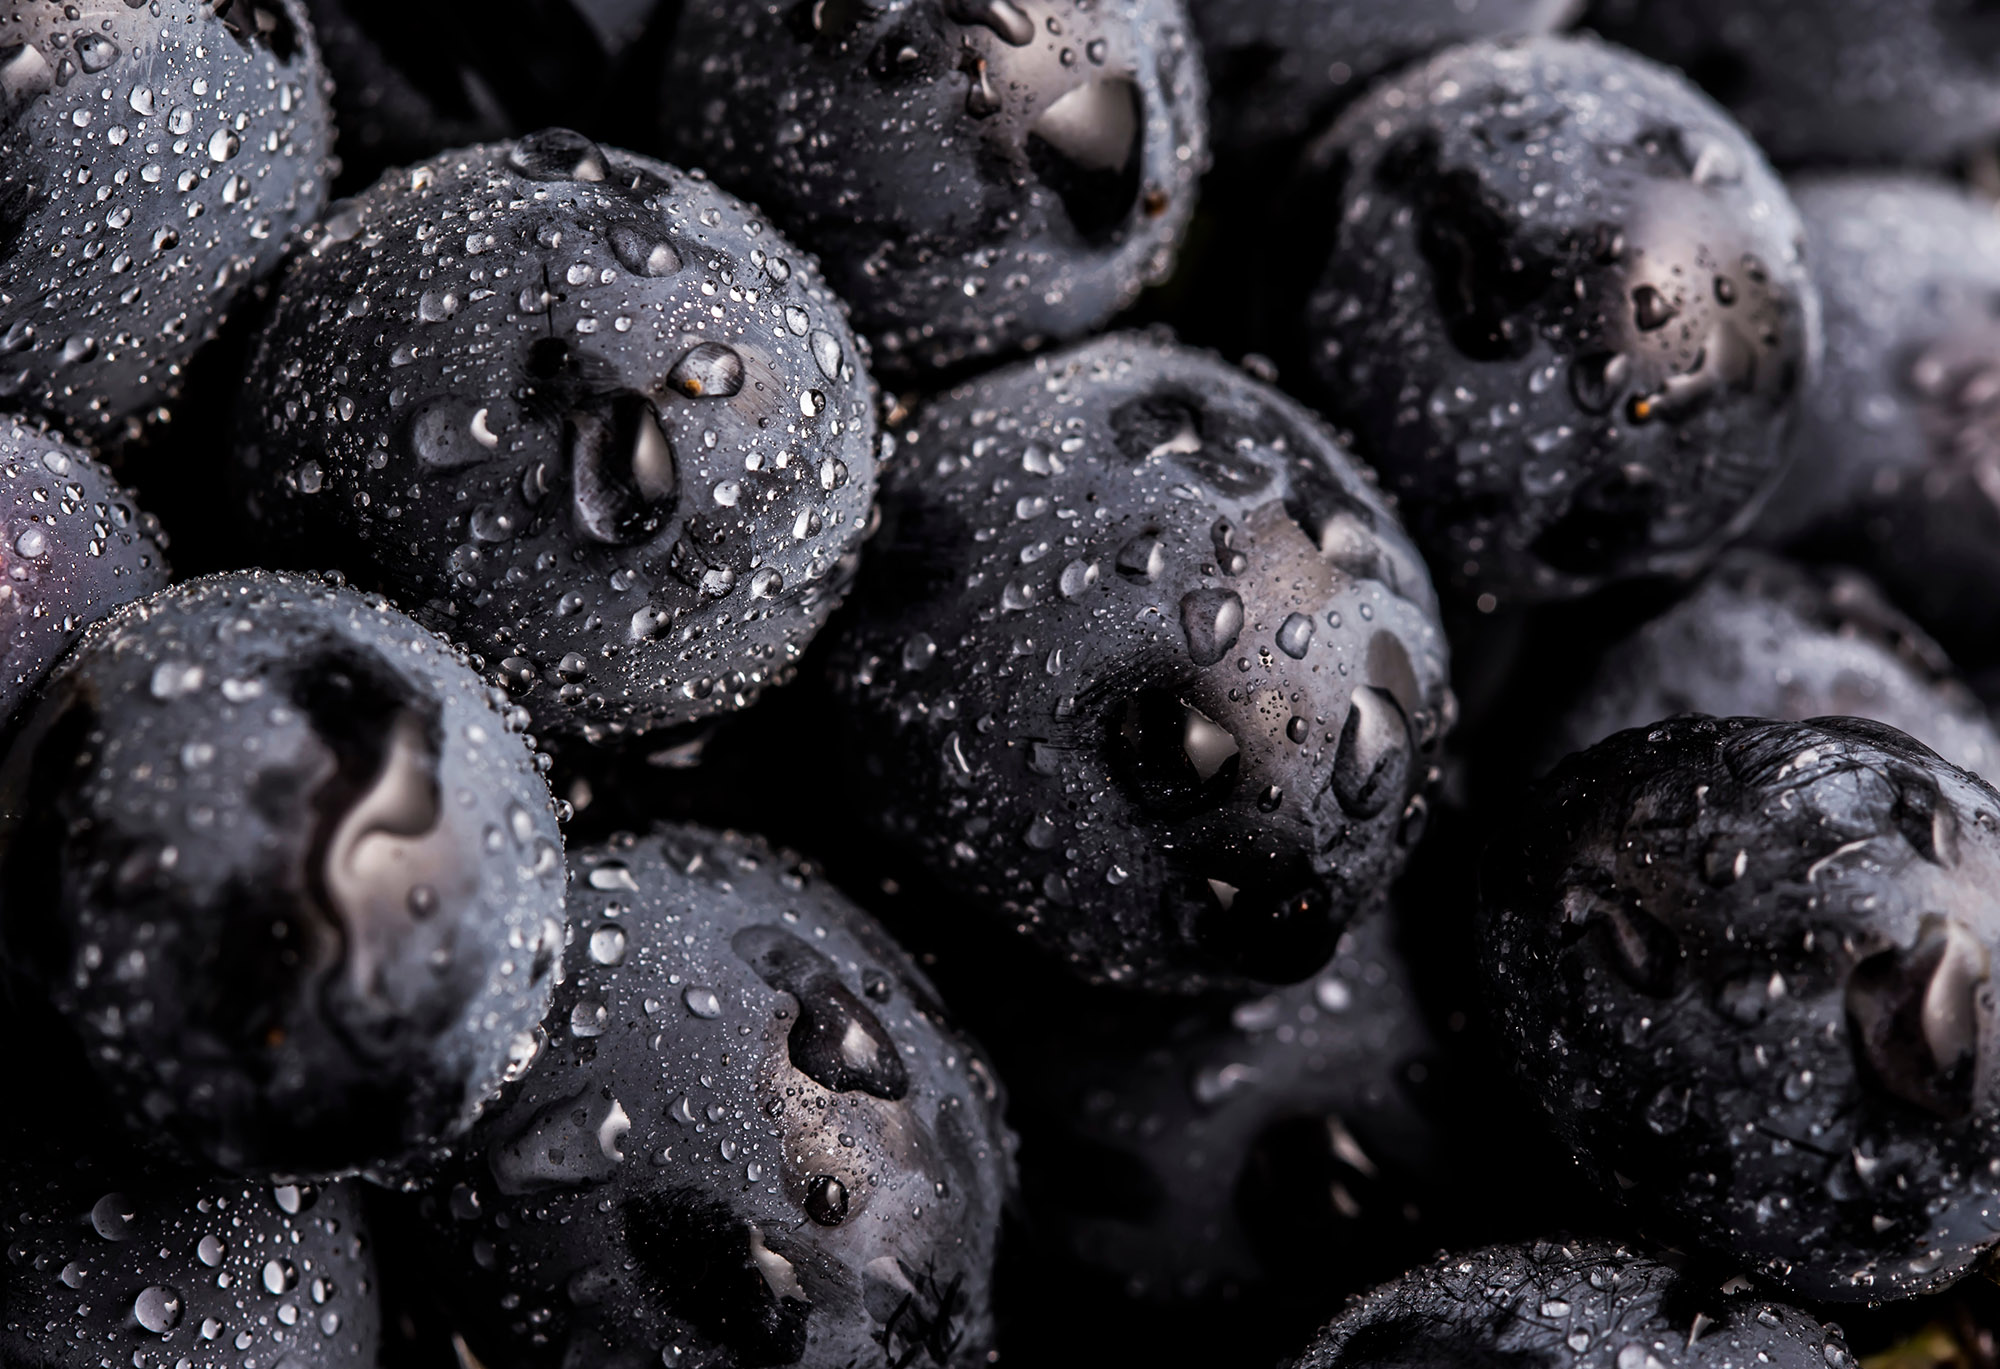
x: 1144, y: 667
x: 1579, y: 1305
x: 1281, y: 68
x: 1832, y: 81
x: 1279, y: 1140
x: 73, y: 547
x: 1746, y: 966
x: 977, y: 176
x: 752, y: 1137
x: 584, y: 413
x: 1900, y: 437
x: 1560, y: 301
x: 1766, y: 639
x: 155, y: 161
x: 286, y: 874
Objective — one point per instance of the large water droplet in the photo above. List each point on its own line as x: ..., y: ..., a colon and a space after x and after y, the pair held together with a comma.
x: 1142, y: 558
x: 826, y: 353
x: 643, y: 253
x: 557, y: 154
x: 607, y: 945
x: 1211, y: 619
x: 157, y: 1309
x: 1295, y: 636
x: 1652, y: 310
x: 622, y: 470
x: 837, y: 1041
x: 441, y: 436
x: 568, y: 1144
x: 709, y: 370
x: 114, y: 1216
x: 588, y: 1019
x: 95, y: 52
x: 826, y: 1200
x: 1371, y: 768
x: 1915, y: 1015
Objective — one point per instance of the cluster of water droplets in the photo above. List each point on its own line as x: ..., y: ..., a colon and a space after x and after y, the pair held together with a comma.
x: 73, y: 547
x: 157, y: 161
x: 1585, y: 1304
x: 183, y: 1273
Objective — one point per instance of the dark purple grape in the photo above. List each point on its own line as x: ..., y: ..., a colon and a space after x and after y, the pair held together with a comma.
x: 608, y: 430
x: 285, y: 873
x: 1832, y: 82
x: 1899, y: 441
x: 1561, y: 302
x: 1144, y: 667
x: 1746, y: 968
